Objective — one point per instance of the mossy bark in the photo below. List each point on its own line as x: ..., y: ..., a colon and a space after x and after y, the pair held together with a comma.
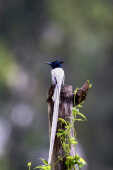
x: 67, y: 100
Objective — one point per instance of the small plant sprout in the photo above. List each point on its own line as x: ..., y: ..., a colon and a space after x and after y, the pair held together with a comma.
x: 90, y: 85
x: 29, y: 165
x: 45, y: 165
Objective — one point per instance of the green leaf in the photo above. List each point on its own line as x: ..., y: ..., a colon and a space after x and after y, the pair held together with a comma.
x: 43, y: 167
x: 29, y: 164
x: 77, y: 157
x: 82, y: 115
x: 60, y: 132
x: 73, y: 141
x: 75, y: 91
x: 75, y: 111
x: 79, y: 106
x: 66, y: 147
x: 79, y: 120
x: 82, y: 162
x: 90, y: 85
x: 44, y: 161
x: 62, y: 120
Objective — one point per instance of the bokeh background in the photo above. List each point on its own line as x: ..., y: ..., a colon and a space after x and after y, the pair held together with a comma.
x: 32, y: 32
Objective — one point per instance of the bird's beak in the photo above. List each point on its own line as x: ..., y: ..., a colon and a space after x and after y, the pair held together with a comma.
x: 61, y: 62
x: 48, y: 63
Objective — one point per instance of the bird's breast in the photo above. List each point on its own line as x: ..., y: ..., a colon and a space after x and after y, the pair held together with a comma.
x: 57, y: 75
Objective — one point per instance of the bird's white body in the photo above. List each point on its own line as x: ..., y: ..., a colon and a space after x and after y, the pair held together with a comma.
x: 57, y: 76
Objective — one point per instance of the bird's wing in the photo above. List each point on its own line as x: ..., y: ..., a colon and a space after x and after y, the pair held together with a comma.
x: 53, y: 77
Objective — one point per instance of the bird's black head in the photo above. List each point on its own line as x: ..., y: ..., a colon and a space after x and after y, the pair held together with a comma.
x: 55, y: 64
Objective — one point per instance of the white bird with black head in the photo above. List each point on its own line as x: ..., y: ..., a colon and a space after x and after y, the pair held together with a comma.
x: 57, y: 77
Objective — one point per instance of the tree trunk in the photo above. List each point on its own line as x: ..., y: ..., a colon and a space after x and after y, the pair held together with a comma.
x: 65, y: 111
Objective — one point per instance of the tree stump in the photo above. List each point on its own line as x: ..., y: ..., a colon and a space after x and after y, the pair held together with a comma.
x: 67, y: 100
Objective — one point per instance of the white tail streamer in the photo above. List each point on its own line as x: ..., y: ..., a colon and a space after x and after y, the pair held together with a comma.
x: 56, y: 98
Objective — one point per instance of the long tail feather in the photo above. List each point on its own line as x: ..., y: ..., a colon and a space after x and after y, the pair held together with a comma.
x: 56, y: 98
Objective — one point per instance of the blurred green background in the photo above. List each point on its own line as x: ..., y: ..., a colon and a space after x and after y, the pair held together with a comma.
x: 31, y: 32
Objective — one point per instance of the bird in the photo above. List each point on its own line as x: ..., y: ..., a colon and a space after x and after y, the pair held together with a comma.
x: 57, y: 79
